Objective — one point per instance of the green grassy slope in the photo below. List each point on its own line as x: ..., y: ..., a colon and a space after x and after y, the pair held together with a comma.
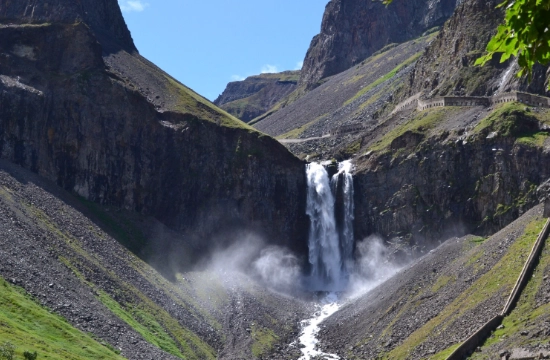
x: 497, y: 282
x: 30, y: 327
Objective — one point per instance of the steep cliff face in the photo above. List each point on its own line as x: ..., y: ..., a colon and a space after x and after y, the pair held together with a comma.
x: 447, y: 67
x: 255, y: 95
x: 102, y: 16
x: 451, y: 171
x: 354, y: 29
x: 115, y: 129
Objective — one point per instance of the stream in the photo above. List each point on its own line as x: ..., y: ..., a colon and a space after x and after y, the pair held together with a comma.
x: 310, y: 328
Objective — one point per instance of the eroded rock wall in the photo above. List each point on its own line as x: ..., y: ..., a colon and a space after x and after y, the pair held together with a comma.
x: 352, y: 30
x: 65, y: 116
x: 448, y: 187
x: 447, y: 67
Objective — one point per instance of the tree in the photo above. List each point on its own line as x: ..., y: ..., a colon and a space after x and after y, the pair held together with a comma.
x: 30, y: 355
x: 524, y: 34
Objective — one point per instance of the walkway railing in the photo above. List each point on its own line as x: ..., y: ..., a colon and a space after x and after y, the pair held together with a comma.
x: 468, y: 346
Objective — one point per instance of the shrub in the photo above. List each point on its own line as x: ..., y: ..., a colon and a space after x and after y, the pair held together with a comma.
x: 29, y: 355
x: 7, y: 351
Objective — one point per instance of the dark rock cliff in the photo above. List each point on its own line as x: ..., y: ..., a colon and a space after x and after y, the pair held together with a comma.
x: 426, y: 176
x: 443, y: 191
x: 113, y: 128
x: 255, y: 95
x: 352, y: 30
x: 102, y: 16
x: 447, y: 66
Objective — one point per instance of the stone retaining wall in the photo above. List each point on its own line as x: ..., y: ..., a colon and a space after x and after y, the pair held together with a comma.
x: 524, y: 98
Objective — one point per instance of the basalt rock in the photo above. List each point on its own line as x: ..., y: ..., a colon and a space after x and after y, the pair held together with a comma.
x: 352, y: 30
x: 448, y: 186
x: 102, y: 16
x: 78, y: 107
x: 447, y: 67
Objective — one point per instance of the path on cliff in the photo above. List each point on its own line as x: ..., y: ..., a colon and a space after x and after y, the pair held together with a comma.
x: 296, y: 141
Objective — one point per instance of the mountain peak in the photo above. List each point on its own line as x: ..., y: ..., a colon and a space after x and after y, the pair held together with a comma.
x: 104, y: 18
x: 352, y: 30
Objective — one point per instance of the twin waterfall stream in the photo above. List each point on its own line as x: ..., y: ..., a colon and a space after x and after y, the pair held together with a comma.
x: 331, y: 243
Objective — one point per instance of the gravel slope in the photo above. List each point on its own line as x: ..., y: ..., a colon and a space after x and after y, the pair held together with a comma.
x: 436, y: 302
x: 52, y: 249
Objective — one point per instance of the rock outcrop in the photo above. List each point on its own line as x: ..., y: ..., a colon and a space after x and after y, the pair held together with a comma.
x: 255, y: 95
x: 352, y: 30
x: 80, y: 107
x: 447, y: 67
x: 102, y: 16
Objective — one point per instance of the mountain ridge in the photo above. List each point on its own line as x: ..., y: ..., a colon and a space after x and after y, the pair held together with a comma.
x: 353, y: 30
x: 254, y: 96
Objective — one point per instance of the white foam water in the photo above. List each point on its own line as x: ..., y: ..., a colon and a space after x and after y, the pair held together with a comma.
x: 323, y: 242
x: 310, y: 328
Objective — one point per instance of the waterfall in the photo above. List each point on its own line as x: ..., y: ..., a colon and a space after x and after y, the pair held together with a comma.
x: 505, y: 78
x: 324, y: 247
x: 330, y: 241
x: 346, y: 233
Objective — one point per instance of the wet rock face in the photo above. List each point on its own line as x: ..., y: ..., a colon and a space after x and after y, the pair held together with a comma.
x: 65, y: 116
x: 352, y: 30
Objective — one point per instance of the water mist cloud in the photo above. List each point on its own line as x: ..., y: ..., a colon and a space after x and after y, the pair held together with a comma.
x: 237, y: 256
x: 278, y: 269
x: 275, y: 267
x: 372, y: 267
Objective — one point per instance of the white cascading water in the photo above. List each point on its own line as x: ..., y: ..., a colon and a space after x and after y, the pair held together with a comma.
x: 505, y: 78
x: 324, y: 246
x: 347, y: 240
x: 330, y: 250
x: 308, y: 338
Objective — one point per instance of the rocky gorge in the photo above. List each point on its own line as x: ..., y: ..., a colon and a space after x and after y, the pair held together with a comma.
x: 138, y: 220
x: 59, y: 119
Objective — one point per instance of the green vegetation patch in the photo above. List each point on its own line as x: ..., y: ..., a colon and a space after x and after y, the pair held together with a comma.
x: 263, y: 340
x: 525, y: 316
x: 143, y: 310
x: 442, y: 281
x: 148, y: 319
x: 189, y: 102
x: 295, y: 133
x: 420, y: 124
x: 443, y: 355
x: 30, y: 327
x: 386, y: 77
x: 513, y: 120
x: 143, y: 323
x: 500, y: 279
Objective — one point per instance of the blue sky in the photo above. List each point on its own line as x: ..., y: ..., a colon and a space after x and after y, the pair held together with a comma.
x: 206, y: 44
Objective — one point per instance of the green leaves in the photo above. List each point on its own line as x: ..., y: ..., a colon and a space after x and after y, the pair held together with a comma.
x: 525, y: 34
